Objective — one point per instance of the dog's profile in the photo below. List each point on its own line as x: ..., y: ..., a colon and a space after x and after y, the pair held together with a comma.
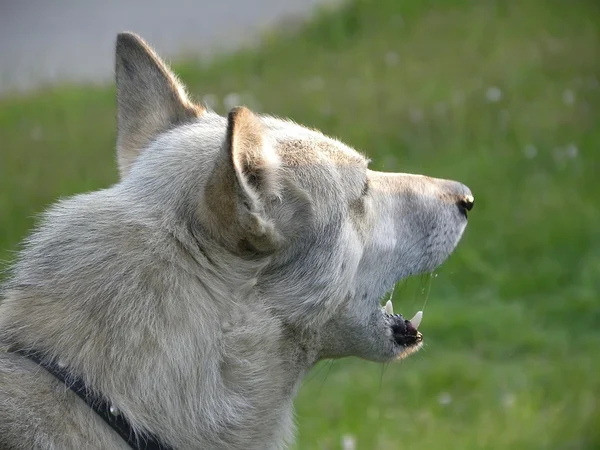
x: 193, y: 295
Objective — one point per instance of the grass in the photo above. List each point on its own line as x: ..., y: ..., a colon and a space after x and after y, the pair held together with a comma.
x: 502, y: 95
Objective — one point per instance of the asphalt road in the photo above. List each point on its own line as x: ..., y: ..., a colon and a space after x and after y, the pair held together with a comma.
x: 42, y: 41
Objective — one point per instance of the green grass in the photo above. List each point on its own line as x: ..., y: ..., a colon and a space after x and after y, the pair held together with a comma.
x: 512, y: 321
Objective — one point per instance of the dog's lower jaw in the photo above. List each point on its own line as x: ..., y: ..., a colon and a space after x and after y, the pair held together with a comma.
x: 378, y: 337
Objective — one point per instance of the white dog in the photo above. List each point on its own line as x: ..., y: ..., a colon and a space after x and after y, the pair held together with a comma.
x: 184, y: 304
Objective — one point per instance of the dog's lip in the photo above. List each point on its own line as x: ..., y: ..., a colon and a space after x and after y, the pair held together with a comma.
x: 403, y: 331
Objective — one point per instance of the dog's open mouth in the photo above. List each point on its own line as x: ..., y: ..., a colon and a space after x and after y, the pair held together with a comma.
x: 404, y: 331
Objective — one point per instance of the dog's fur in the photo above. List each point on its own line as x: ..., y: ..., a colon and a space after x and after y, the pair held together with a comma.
x: 233, y: 254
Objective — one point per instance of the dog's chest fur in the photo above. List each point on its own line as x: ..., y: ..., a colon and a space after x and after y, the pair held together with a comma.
x: 246, y: 403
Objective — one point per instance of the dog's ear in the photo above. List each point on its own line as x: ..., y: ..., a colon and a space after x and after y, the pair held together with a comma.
x: 244, y: 179
x: 150, y: 99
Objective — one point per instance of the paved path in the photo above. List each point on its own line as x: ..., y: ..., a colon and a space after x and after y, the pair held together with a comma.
x: 42, y: 41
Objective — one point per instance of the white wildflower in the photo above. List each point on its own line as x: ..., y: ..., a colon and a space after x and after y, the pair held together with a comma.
x: 391, y: 58
x: 232, y: 100
x: 568, y: 97
x: 530, y: 151
x: 348, y: 442
x: 445, y: 398
x: 493, y: 94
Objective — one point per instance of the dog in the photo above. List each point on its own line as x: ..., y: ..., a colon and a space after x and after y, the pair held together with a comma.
x: 194, y: 294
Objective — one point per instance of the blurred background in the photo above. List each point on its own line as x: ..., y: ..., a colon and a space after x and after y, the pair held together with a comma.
x: 502, y: 95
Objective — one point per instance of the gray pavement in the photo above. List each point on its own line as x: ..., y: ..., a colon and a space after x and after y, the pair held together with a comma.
x: 44, y: 41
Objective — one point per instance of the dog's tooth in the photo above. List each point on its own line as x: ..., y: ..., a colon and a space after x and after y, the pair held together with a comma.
x: 416, y: 320
x: 389, y: 308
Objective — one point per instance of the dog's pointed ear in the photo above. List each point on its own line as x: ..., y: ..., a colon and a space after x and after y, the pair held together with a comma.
x: 244, y: 179
x: 253, y: 160
x: 150, y: 99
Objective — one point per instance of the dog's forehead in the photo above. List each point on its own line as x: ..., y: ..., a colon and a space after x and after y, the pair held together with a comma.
x: 298, y: 145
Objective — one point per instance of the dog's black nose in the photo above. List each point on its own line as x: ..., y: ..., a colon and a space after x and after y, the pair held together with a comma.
x: 466, y: 204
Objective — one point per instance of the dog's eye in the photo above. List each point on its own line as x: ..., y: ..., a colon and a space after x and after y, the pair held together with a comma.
x: 365, y: 189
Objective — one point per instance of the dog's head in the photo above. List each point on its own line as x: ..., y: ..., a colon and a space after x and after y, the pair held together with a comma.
x: 332, y: 236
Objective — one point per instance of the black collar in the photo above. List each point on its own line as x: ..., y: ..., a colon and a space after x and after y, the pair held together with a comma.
x: 103, y: 408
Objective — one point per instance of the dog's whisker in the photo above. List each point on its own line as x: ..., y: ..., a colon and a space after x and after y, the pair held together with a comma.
x: 429, y: 282
x: 329, y: 366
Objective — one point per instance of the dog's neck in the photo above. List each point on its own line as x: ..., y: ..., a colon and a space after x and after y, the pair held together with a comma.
x: 182, y: 354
